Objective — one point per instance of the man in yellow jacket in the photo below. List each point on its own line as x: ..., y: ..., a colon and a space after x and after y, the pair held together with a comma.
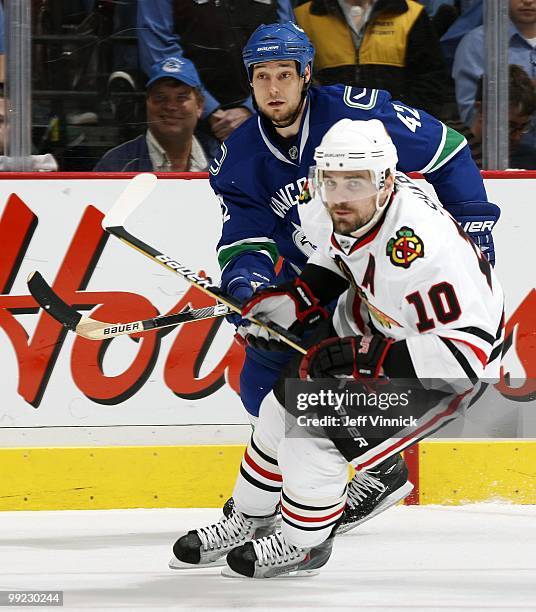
x: 383, y: 44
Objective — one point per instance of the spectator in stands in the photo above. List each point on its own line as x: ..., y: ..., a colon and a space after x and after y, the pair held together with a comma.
x: 432, y: 6
x: 444, y: 14
x: 385, y: 44
x: 469, y: 18
x: 2, y: 46
x: 2, y: 125
x: 461, y: 6
x: 469, y: 60
x: 40, y: 163
x: 211, y: 33
x: 522, y: 108
x: 174, y: 104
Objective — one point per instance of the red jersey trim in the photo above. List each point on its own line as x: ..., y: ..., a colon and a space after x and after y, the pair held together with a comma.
x: 480, y: 354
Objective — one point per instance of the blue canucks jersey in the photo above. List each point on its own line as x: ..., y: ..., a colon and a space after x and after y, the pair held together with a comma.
x: 259, y: 176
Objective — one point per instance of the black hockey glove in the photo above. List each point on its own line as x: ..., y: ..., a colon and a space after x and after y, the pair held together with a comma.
x: 291, y: 305
x: 357, y: 356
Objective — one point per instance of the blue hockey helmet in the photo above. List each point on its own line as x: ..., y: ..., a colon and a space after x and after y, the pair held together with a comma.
x: 278, y: 41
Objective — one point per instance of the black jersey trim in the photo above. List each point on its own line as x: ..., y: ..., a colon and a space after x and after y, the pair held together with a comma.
x: 496, y: 352
x: 461, y: 359
x: 479, y: 333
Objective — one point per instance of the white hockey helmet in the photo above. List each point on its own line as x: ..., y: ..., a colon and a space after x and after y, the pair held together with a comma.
x: 357, y: 145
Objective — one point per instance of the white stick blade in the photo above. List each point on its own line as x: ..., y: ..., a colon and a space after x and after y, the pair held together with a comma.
x: 136, y: 192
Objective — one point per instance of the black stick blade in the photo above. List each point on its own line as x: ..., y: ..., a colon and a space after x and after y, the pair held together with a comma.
x: 51, y: 303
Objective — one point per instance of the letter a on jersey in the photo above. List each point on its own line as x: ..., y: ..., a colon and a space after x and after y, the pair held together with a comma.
x: 405, y: 248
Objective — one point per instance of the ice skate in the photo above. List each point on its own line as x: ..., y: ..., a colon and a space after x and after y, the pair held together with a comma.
x: 373, y: 491
x: 273, y: 556
x: 207, y: 546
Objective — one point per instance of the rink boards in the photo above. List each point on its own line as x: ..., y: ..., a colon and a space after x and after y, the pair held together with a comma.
x: 156, y: 421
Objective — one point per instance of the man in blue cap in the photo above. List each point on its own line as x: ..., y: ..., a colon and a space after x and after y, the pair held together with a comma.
x: 174, y: 105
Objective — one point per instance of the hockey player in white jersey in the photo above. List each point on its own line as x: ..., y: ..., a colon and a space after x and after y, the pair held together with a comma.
x: 418, y: 301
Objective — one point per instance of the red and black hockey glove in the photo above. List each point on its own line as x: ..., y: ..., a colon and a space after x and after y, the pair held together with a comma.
x: 357, y: 356
x: 291, y: 305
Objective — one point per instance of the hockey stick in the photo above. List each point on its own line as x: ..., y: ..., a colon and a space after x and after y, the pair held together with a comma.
x: 92, y: 329
x: 135, y: 193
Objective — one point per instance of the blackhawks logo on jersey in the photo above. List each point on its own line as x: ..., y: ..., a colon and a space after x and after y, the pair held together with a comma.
x: 405, y: 248
x: 305, y: 195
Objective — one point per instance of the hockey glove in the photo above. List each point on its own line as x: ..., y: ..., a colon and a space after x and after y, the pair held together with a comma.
x: 291, y: 305
x: 478, y: 219
x: 242, y: 287
x: 357, y: 356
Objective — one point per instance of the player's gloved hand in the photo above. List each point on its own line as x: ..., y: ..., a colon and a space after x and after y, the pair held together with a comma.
x: 242, y: 287
x: 478, y: 219
x: 291, y: 305
x: 357, y: 356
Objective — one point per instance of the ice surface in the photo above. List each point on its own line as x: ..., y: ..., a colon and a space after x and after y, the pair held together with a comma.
x: 479, y: 557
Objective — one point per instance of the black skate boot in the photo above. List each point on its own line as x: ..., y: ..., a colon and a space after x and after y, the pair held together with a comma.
x: 373, y: 491
x: 273, y: 556
x: 207, y: 546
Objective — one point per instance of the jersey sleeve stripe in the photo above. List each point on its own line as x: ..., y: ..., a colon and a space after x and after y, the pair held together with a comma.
x: 479, y: 333
x: 261, y: 240
x: 495, y: 352
x: 500, y: 342
x: 226, y: 254
x: 438, y: 151
x: 480, y: 354
x: 461, y: 359
x: 451, y: 143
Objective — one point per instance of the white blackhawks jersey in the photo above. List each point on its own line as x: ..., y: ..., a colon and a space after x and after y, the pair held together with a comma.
x: 417, y: 276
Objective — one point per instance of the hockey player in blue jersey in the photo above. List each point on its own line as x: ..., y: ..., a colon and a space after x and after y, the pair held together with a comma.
x: 262, y: 169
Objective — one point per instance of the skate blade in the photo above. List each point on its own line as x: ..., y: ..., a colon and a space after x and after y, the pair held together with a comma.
x: 175, y: 564
x: 227, y: 572
x: 389, y: 501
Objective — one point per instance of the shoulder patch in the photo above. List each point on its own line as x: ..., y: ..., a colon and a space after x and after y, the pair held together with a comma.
x: 360, y: 97
x: 405, y: 248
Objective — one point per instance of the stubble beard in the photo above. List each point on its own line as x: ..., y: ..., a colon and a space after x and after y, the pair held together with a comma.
x: 346, y: 226
x: 277, y: 119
